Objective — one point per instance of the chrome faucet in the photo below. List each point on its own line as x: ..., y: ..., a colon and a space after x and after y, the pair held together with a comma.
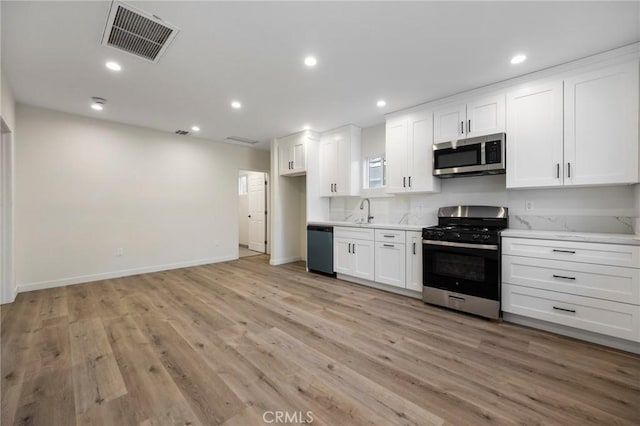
x: 369, y: 217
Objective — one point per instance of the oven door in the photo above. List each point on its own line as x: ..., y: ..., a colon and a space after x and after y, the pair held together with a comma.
x: 472, y: 269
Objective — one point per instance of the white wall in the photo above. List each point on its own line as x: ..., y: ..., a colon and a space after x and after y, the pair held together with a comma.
x: 86, y: 187
x: 373, y: 140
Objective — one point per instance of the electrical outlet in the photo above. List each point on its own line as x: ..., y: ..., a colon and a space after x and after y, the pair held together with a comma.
x: 528, y: 205
x: 119, y: 252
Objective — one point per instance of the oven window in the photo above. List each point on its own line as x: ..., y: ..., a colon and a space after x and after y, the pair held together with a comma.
x: 459, y: 266
x: 465, y: 156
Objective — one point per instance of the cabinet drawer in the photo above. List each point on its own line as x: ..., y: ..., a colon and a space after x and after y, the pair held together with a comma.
x: 595, y: 315
x: 603, y: 254
x: 353, y: 233
x: 604, y: 282
x: 387, y: 235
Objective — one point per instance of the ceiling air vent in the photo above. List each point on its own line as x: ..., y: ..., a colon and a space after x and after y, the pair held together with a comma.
x: 136, y: 32
x: 182, y: 132
x: 242, y: 140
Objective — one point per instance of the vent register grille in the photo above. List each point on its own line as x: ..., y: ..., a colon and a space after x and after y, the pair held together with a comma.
x: 137, y: 32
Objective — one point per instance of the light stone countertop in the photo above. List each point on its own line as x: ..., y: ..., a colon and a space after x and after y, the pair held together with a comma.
x: 586, y: 237
x: 369, y: 225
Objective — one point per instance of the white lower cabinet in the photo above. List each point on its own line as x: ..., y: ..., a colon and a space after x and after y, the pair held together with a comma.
x: 386, y: 256
x: 414, y: 260
x: 353, y: 252
x: 588, y: 286
x: 390, y: 264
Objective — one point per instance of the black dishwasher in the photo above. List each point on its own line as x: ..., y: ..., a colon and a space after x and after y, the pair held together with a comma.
x: 320, y: 249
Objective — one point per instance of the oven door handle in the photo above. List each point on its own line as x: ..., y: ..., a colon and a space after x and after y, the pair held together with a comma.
x: 461, y: 245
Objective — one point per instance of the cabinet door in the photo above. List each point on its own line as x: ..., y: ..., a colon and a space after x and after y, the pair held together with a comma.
x: 534, y: 136
x: 414, y: 261
x: 449, y: 123
x: 420, y: 154
x: 363, y: 259
x: 390, y: 264
x: 601, y: 126
x: 298, y: 154
x: 284, y: 160
x: 342, y: 257
x: 396, y: 155
x: 485, y: 116
x: 328, y: 166
x: 342, y: 165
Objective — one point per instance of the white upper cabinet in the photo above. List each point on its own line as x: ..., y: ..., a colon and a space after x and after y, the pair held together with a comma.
x: 601, y: 126
x: 292, y: 154
x: 534, y: 136
x: 340, y: 162
x: 409, y: 154
x: 582, y: 131
x: 448, y: 123
x: 485, y: 116
x: 478, y: 117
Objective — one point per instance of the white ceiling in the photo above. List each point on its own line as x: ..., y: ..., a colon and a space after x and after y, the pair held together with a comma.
x: 406, y: 53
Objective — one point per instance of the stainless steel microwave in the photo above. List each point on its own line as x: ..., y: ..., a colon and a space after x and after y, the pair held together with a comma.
x: 482, y: 155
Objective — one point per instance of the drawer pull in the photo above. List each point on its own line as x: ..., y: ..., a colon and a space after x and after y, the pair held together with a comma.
x: 573, y: 311
x: 564, y: 277
x: 460, y: 299
x: 388, y: 236
x: 564, y: 251
x: 388, y: 245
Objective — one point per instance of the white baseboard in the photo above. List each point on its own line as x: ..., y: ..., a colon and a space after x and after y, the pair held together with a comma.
x: 9, y: 296
x: 276, y: 262
x: 379, y: 286
x: 117, y: 274
x: 614, y: 342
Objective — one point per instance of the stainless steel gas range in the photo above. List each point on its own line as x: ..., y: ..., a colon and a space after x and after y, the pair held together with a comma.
x: 461, y: 259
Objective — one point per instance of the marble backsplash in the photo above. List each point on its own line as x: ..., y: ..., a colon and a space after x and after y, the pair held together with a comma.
x: 404, y: 210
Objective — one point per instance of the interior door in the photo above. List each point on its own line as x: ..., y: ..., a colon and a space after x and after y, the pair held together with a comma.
x: 257, y: 212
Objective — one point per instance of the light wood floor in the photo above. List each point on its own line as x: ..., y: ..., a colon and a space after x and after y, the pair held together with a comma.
x: 224, y: 343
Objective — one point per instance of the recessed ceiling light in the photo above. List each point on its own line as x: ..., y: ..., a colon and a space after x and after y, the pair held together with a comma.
x: 195, y: 128
x: 113, y: 66
x: 236, y: 105
x: 381, y: 103
x: 518, y: 59
x: 310, y: 61
x: 98, y: 103
x: 306, y: 127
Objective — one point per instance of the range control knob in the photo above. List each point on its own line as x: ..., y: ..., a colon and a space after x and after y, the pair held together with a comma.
x: 456, y: 235
x: 475, y: 236
x: 486, y: 237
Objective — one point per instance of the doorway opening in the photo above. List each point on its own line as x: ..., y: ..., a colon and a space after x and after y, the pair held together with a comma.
x: 7, y: 281
x: 253, y: 213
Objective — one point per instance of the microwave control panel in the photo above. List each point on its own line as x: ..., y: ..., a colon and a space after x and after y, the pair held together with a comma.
x: 493, y: 152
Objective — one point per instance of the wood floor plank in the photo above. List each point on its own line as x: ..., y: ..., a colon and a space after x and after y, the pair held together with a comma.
x: 228, y: 343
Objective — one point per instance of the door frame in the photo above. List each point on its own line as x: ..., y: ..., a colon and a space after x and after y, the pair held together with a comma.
x: 8, y: 289
x: 267, y: 195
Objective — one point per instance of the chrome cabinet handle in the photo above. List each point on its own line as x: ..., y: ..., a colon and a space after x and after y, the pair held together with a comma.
x: 573, y: 311
x: 564, y: 277
x: 564, y: 251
